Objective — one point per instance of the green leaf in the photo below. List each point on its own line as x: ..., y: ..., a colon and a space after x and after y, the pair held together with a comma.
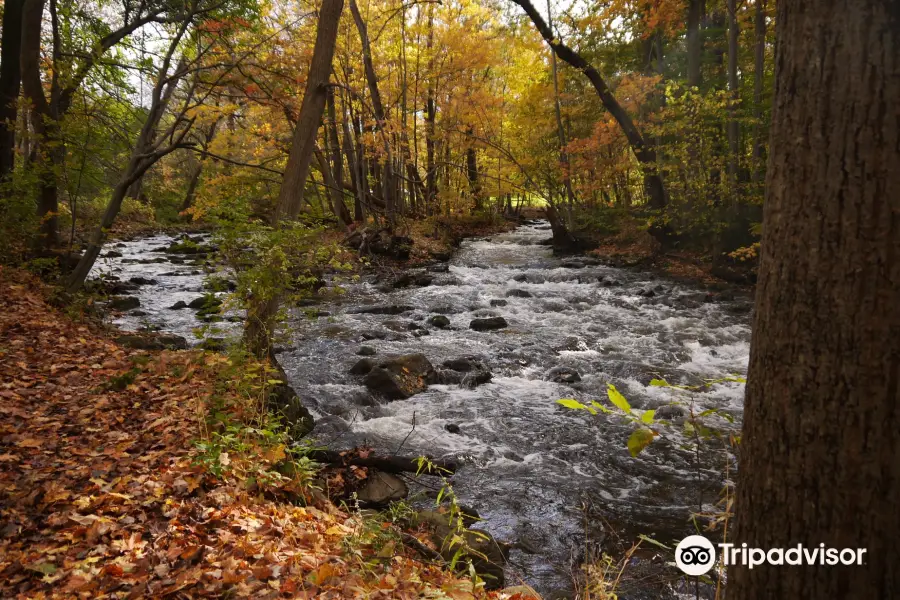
x: 659, y: 383
x: 600, y: 407
x: 571, y: 403
x: 639, y: 440
x: 647, y: 417
x: 616, y: 398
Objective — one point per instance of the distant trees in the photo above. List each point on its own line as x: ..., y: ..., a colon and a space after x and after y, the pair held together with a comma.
x: 820, y: 454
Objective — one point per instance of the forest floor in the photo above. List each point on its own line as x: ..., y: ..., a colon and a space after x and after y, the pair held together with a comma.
x: 104, y: 490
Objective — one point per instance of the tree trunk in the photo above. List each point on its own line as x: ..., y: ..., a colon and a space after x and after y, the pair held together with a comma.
x: 733, y: 127
x: 10, y: 81
x: 820, y: 452
x: 290, y: 198
x: 645, y: 154
x: 694, y: 43
x: 472, y: 175
x: 759, y: 71
x: 561, y: 133
x: 334, y: 192
x: 261, y: 318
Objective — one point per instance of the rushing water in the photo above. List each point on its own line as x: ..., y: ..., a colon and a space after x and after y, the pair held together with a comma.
x: 541, y: 476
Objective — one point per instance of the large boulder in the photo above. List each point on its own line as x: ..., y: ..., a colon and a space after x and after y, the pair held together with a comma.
x: 124, y: 302
x: 488, y: 324
x: 486, y: 554
x: 380, y: 489
x: 401, y: 377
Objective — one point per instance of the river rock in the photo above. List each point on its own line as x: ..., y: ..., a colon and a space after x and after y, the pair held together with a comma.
x: 401, y: 377
x: 488, y: 556
x: 572, y: 264
x: 518, y: 294
x: 420, y: 333
x: 563, y: 375
x: 388, y: 309
x: 441, y: 268
x: 413, y: 279
x: 439, y: 321
x: 476, y: 378
x: 448, y: 377
x: 452, y: 428
x: 380, y: 489
x: 124, y: 302
x: 178, y: 305
x: 462, y: 364
x: 498, y: 302
x: 284, y: 400
x: 362, y: 366
x: 521, y: 278
x: 488, y: 324
x: 646, y: 293
x: 366, y: 351
x: 112, y: 254
x: 670, y: 412
x: 143, y: 281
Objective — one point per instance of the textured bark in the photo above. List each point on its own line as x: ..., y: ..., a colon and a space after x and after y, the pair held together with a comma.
x: 645, y: 154
x: 759, y: 72
x: 290, y: 198
x: 10, y: 81
x: 820, y: 452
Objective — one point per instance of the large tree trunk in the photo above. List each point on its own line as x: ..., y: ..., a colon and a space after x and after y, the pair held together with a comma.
x: 820, y: 451
x: 290, y: 198
x: 645, y: 154
x: 10, y: 80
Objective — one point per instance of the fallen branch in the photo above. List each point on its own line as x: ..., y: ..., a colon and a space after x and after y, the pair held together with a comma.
x: 388, y: 464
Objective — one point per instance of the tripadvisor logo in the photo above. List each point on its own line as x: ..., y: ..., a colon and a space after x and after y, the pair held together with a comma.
x: 696, y: 555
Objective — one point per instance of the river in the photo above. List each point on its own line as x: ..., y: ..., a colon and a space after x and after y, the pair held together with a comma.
x: 541, y: 476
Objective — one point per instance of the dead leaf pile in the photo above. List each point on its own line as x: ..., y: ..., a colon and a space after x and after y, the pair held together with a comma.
x: 100, y: 495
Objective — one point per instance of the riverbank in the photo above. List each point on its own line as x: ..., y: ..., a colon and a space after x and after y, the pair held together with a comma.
x: 116, y: 479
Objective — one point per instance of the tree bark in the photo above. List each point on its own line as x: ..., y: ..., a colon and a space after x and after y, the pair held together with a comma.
x: 645, y: 154
x: 733, y: 126
x: 820, y: 453
x: 290, y: 198
x: 10, y: 81
x: 759, y: 143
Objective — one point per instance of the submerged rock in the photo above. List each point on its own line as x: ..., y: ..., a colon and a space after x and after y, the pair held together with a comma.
x: 518, y: 294
x: 366, y: 351
x: 401, y: 377
x: 563, y: 375
x: 452, y: 428
x: 488, y: 324
x: 143, y: 281
x: 498, y: 302
x: 476, y: 378
x: 439, y: 321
